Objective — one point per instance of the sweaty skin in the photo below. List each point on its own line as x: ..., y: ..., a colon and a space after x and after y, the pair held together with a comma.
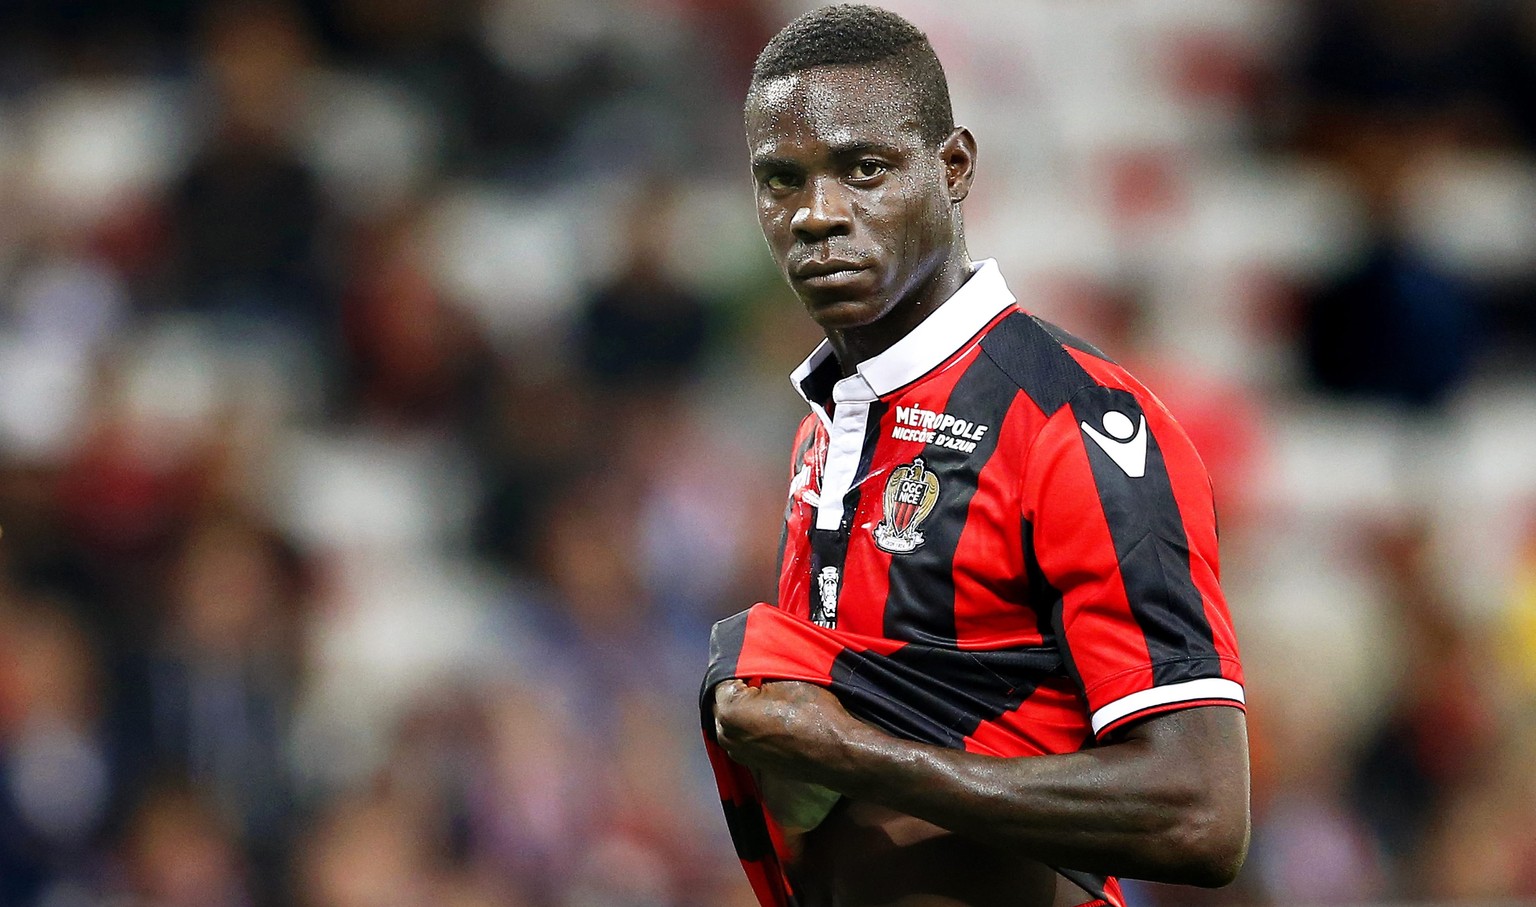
x: 862, y: 216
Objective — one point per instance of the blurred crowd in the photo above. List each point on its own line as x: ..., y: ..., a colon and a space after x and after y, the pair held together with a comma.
x: 394, y: 393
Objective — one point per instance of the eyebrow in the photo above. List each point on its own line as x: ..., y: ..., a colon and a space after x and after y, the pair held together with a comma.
x: 842, y: 151
x: 854, y: 149
x: 769, y: 162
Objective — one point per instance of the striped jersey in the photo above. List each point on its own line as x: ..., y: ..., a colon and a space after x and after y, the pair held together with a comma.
x: 995, y: 540
x: 993, y: 485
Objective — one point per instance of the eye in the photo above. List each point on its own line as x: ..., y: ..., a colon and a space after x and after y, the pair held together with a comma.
x: 867, y: 169
x: 780, y: 182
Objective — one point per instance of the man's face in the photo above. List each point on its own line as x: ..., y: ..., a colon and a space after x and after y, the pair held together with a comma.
x: 855, y: 204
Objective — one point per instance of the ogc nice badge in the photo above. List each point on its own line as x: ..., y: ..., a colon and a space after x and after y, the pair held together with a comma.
x: 910, y: 494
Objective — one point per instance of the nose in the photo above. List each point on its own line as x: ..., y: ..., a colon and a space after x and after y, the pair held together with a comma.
x: 825, y: 212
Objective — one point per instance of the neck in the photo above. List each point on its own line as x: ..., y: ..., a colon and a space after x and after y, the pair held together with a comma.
x: 855, y: 345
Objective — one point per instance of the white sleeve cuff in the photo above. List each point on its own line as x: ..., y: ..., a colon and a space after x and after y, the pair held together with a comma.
x: 1187, y: 691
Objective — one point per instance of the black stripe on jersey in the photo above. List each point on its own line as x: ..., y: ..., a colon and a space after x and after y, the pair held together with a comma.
x: 1150, y: 544
x: 783, y: 548
x: 877, y: 411
x: 1047, y: 602
x: 744, y: 821
x: 920, y: 604
x: 748, y: 830
x: 829, y: 547
x: 1035, y: 361
x: 1067, y: 338
x: 726, y: 640
x: 902, y: 694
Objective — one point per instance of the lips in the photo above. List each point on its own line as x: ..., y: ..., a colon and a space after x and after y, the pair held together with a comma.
x: 826, y: 268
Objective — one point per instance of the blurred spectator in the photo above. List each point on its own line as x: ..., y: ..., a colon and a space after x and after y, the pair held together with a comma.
x: 415, y: 361
x: 539, y: 792
x: 1388, y: 89
x: 57, y: 780
x: 1471, y: 854
x: 180, y: 853
x: 213, y: 698
x: 507, y: 109
x: 120, y: 497
x: 539, y: 437
x: 601, y: 631
x: 368, y: 852
x: 248, y: 221
x: 1397, y: 328
x: 642, y: 332
x: 1419, y: 57
x: 1440, y: 730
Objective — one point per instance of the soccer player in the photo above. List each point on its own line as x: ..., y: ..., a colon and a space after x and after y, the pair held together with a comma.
x: 1000, y: 670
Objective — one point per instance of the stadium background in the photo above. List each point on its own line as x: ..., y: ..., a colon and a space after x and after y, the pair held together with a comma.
x: 392, y: 393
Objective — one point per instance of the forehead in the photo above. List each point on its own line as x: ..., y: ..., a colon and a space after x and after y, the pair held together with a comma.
x: 831, y: 105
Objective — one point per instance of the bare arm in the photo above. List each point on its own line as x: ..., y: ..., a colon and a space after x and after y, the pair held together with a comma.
x: 1167, y: 801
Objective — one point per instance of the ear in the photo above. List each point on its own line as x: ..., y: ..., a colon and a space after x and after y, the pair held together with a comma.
x: 958, y: 155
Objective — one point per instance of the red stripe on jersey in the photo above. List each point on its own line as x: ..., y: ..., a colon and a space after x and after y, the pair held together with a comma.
x: 1049, y: 721
x: 784, y: 649
x: 989, y: 560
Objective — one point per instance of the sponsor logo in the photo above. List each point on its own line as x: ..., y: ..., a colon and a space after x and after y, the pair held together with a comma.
x: 926, y: 426
x: 1125, y: 441
x: 826, y: 609
x: 910, y: 494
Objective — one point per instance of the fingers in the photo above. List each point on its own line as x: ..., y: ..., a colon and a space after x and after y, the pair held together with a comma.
x: 728, y: 691
x: 727, y: 695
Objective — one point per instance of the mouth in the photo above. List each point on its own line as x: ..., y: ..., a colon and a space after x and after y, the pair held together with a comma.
x: 827, y: 273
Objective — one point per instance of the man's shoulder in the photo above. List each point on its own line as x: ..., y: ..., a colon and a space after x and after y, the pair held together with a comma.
x: 1069, y: 340
x: 1048, y: 363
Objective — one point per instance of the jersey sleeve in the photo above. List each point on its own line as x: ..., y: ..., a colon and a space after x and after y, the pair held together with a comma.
x: 1122, y: 529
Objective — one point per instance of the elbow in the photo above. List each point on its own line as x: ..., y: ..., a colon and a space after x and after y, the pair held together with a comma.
x: 1204, y: 794
x: 1208, y: 846
x: 1216, y: 864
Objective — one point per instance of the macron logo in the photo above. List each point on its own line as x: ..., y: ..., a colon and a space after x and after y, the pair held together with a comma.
x: 1124, y: 441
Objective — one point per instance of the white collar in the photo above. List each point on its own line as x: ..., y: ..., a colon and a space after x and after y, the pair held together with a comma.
x: 924, y: 348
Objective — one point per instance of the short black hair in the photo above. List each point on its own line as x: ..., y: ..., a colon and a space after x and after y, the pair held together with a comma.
x: 852, y: 34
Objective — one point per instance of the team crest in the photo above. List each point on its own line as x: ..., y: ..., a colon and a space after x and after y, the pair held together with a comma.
x: 910, y: 494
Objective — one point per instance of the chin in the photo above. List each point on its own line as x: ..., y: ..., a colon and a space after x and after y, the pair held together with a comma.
x: 844, y: 314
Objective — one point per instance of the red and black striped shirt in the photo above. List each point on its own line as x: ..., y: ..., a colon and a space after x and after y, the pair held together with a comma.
x: 1011, y: 541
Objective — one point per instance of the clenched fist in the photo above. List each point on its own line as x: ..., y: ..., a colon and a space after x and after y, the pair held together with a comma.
x: 796, y: 730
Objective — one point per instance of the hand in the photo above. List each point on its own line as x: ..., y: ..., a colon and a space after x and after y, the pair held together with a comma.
x: 790, y: 728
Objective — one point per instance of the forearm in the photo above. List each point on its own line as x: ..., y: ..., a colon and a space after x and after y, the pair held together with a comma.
x: 1119, y: 809
x: 1168, y: 800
